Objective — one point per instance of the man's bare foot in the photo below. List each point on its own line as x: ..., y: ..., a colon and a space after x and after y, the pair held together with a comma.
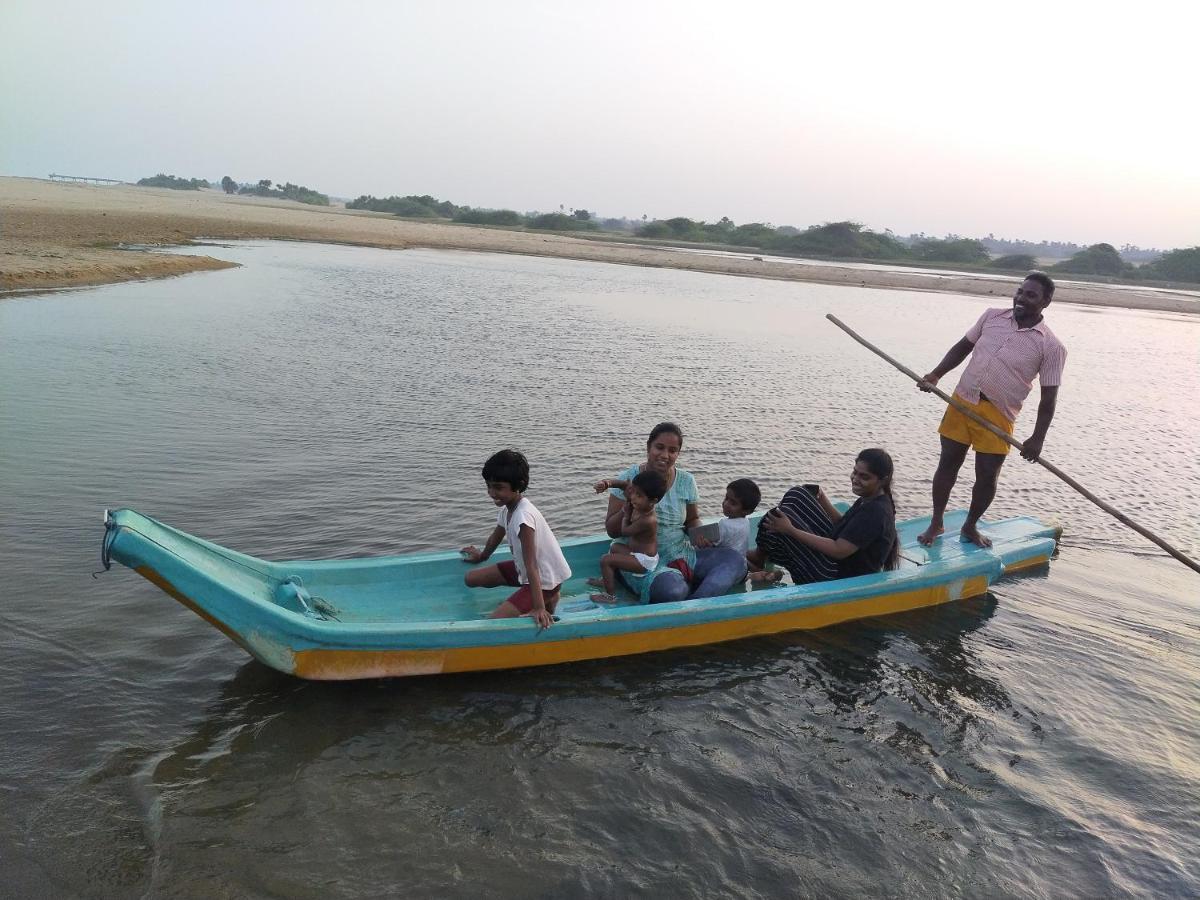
x: 930, y: 534
x: 971, y: 533
x: 771, y: 576
x: 603, y: 598
x: 596, y: 582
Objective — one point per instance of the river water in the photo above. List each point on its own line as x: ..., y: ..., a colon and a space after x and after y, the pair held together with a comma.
x: 1041, y: 741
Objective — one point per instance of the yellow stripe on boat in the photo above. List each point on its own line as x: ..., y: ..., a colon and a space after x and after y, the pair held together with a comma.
x: 350, y: 664
x: 158, y: 581
x: 1030, y: 563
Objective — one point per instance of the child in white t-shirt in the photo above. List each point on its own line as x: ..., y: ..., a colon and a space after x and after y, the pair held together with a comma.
x: 537, y: 568
x: 742, y: 497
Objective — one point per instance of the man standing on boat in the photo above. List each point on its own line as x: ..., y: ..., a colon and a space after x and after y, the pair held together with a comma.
x: 1008, y: 348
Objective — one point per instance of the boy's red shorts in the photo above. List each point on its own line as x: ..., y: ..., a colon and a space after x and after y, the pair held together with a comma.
x: 523, y: 598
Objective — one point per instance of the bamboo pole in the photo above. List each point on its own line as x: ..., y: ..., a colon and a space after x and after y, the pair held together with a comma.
x: 1108, y: 508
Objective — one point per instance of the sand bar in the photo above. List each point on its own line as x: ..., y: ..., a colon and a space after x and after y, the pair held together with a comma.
x: 58, y: 234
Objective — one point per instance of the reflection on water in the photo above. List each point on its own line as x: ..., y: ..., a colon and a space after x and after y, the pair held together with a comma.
x: 328, y: 401
x: 270, y: 749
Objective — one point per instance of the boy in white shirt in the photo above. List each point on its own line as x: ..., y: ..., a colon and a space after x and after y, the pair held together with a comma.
x: 537, y: 568
x: 742, y: 497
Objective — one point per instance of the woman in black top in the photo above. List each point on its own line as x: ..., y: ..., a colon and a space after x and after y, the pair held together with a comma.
x: 807, y: 535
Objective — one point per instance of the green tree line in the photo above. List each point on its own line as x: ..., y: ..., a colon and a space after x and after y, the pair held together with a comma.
x: 423, y: 206
x: 1182, y: 264
x: 287, y: 191
x: 173, y: 182
x: 849, y: 240
x: 831, y: 240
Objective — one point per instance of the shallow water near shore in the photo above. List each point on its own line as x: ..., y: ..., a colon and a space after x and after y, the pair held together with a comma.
x: 1040, y: 741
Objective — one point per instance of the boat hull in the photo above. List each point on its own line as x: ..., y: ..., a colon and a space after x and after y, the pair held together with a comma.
x: 404, y: 616
x: 348, y: 664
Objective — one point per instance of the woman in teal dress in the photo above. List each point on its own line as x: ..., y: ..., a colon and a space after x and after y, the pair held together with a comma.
x: 684, y: 572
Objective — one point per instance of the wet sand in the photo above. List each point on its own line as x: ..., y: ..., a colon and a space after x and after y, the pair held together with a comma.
x: 61, y: 234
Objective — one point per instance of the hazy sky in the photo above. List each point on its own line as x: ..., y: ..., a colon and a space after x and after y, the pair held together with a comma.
x: 1039, y: 120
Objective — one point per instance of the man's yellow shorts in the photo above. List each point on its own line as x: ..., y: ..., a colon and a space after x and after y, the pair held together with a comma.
x: 959, y: 428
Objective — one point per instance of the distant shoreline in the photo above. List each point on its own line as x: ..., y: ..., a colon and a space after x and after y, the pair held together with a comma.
x: 62, y: 234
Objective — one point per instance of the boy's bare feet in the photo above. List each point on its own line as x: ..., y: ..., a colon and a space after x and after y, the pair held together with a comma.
x: 930, y: 534
x: 971, y: 533
x: 772, y: 576
x: 603, y: 598
x: 596, y: 582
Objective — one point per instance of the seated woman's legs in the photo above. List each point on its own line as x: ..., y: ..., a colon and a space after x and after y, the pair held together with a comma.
x: 718, y: 570
x: 668, y: 586
x: 804, y: 564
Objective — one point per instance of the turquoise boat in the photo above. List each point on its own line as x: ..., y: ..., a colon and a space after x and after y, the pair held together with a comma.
x: 412, y: 615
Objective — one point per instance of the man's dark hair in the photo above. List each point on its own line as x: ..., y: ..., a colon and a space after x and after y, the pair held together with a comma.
x: 747, y: 493
x: 509, y: 466
x: 1045, y: 281
x: 651, y: 484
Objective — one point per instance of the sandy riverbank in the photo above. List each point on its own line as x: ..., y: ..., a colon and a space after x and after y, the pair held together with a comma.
x: 56, y: 234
